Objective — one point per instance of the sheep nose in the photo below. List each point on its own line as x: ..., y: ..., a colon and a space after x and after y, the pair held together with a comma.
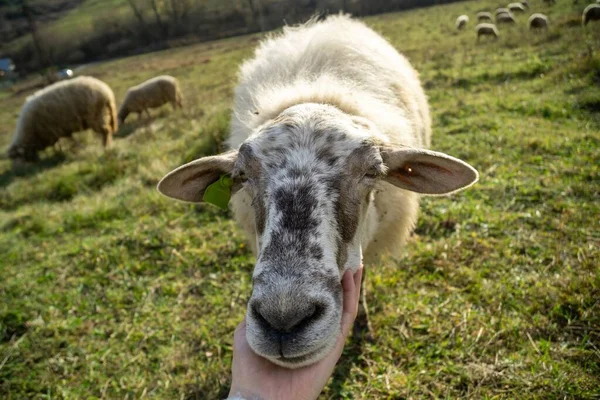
x: 287, y: 317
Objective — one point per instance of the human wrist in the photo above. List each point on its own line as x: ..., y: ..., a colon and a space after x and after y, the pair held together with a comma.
x: 237, y: 393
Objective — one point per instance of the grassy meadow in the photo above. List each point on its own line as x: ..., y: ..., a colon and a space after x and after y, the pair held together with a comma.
x: 110, y: 291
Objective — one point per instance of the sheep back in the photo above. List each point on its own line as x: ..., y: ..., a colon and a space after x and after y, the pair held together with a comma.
x: 537, y: 21
x: 590, y: 13
x: 461, y: 21
x: 516, y: 7
x: 484, y: 16
x: 313, y: 63
x: 486, y: 29
x: 506, y: 18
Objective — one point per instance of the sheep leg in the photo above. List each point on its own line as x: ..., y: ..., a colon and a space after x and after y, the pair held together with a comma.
x: 106, y: 137
x: 362, y: 326
x: 107, y: 140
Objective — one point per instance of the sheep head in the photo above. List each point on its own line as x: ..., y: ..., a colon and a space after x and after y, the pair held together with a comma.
x: 310, y: 176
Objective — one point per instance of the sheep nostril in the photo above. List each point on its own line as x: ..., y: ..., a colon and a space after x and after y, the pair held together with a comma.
x: 312, y: 315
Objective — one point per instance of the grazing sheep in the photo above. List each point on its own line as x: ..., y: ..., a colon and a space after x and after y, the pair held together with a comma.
x: 591, y: 13
x: 538, y: 21
x: 60, y: 110
x: 328, y: 138
x: 152, y: 93
x: 526, y: 3
x: 501, y: 11
x: 505, y: 18
x: 486, y: 29
x: 484, y: 16
x: 516, y: 7
x: 461, y: 21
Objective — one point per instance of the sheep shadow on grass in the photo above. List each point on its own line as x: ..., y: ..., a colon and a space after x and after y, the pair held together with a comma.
x: 143, y: 122
x: 27, y: 170
x: 129, y: 128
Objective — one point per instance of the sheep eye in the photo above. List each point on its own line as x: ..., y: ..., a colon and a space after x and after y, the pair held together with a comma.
x: 240, y: 176
x: 373, y: 173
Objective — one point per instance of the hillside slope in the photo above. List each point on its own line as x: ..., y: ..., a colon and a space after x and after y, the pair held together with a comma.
x: 111, y: 291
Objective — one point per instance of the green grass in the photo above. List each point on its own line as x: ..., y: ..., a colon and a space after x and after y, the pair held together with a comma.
x: 111, y: 291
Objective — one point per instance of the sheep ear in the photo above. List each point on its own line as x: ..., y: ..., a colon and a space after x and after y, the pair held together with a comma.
x: 188, y: 182
x: 427, y: 172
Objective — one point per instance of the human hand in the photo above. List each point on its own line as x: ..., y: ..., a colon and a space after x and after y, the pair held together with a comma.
x: 256, y: 378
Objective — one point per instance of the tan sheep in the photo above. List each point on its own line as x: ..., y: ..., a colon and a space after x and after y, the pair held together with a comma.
x: 505, y: 18
x: 152, y: 93
x: 591, y: 13
x: 60, y: 110
x: 486, y: 29
x: 461, y: 21
x: 516, y: 8
x: 538, y: 21
x: 484, y: 16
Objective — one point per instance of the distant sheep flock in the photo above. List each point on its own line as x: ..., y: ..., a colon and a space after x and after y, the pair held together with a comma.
x: 70, y: 106
x: 505, y: 15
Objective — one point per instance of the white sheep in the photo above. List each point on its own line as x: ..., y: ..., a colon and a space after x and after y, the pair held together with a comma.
x: 484, y: 16
x: 328, y: 138
x: 461, y: 21
x: 501, y: 11
x: 516, y: 7
x: 60, y: 110
x: 538, y: 21
x: 152, y: 93
x: 486, y: 29
x: 505, y: 18
x: 526, y: 3
x: 591, y: 13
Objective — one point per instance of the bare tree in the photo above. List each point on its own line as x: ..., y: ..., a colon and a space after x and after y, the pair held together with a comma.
x: 256, y: 9
x: 44, y: 60
x: 137, y: 12
x: 159, y: 22
x: 178, y: 10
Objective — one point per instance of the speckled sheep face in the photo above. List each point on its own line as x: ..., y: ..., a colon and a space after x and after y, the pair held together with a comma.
x: 309, y: 173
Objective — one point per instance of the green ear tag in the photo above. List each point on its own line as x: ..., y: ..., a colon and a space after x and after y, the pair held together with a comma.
x: 219, y: 192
